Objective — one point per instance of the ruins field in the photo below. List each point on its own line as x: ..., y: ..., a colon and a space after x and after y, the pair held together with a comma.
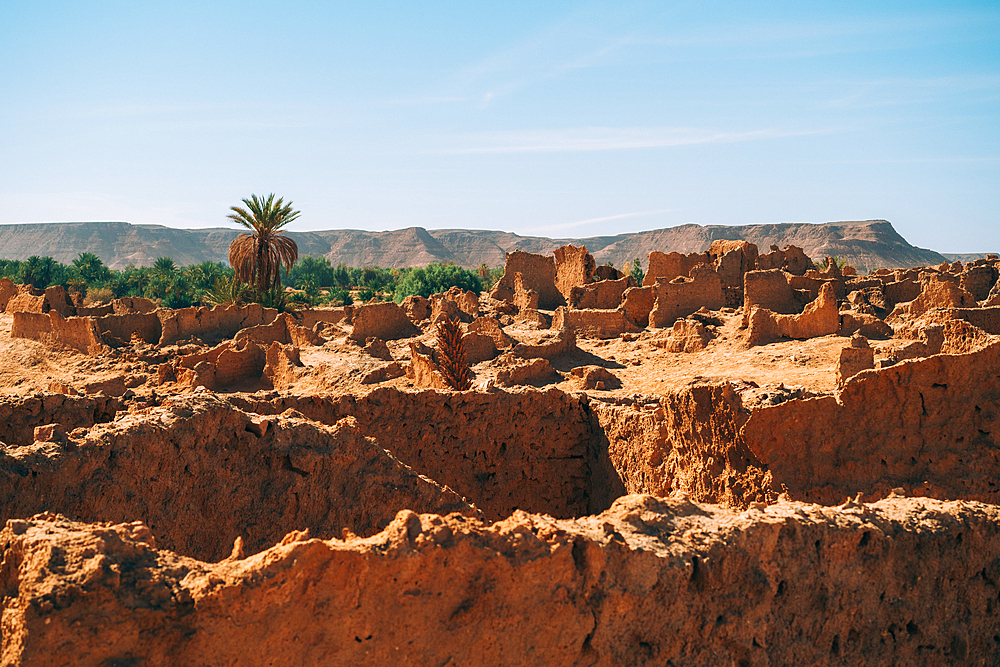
x: 744, y: 460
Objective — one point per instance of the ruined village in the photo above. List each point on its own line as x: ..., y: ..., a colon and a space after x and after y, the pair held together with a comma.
x: 746, y: 459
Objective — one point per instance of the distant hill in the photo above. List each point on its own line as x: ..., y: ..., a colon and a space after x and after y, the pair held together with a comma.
x: 965, y: 257
x: 868, y: 244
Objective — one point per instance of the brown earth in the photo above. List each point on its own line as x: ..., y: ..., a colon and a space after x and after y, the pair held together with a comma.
x: 652, y: 480
x: 650, y: 581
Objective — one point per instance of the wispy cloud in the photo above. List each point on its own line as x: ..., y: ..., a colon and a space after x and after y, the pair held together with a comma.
x: 589, y: 221
x: 603, y: 139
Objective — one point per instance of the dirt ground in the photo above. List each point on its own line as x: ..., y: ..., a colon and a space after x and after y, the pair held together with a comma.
x: 642, y: 366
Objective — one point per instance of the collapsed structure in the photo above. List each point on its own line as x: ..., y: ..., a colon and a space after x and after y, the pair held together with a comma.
x: 241, y: 482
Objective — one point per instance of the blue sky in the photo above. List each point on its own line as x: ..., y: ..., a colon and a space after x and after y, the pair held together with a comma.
x: 557, y: 119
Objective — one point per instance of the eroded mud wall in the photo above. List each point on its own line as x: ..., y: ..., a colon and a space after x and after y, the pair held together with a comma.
x: 201, y: 473
x: 931, y: 426
x: 899, y: 582
x: 19, y: 415
x: 688, y: 441
x: 523, y: 449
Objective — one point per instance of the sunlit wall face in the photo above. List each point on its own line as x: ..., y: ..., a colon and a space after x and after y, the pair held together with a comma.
x: 565, y: 119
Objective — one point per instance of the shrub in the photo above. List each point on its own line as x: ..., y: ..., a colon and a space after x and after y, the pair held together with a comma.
x: 437, y: 278
x: 97, y: 295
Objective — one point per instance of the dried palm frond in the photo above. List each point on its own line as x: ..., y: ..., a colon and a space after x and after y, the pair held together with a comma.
x: 451, y: 355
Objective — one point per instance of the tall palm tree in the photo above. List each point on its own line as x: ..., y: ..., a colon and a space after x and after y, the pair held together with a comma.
x: 257, y: 257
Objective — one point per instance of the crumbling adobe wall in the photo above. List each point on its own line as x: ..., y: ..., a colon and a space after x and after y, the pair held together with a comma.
x: 682, y: 296
x: 930, y: 425
x: 19, y: 415
x: 381, y: 320
x: 538, y: 273
x: 768, y: 289
x: 312, y: 316
x: 792, y: 259
x: 201, y: 473
x: 133, y: 304
x: 987, y: 319
x: 58, y: 300
x: 211, y: 325
x: 900, y: 292
x: 466, y: 300
x: 935, y: 292
x: 650, y: 581
x: 688, y: 441
x: 554, y: 343
x: 78, y: 333
x: 519, y: 449
x: 284, y: 329
x: 672, y: 265
x: 8, y: 290
x: 637, y: 302
x: 593, y: 323
x: 819, y: 318
x: 25, y: 301
x: 978, y: 280
x: 602, y: 295
x: 574, y: 267
x: 221, y: 366
x: 121, y: 326
x: 732, y: 259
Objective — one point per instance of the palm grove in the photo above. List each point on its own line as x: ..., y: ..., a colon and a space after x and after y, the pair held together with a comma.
x: 262, y: 262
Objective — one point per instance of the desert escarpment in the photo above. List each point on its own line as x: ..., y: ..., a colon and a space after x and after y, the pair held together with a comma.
x: 867, y: 244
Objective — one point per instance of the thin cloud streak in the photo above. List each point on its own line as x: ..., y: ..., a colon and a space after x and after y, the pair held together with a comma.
x: 608, y: 218
x: 606, y: 139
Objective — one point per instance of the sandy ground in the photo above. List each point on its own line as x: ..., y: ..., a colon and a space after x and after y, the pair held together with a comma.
x: 337, y: 366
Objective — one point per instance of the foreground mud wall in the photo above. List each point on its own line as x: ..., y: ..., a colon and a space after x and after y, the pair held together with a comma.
x: 902, y: 581
x: 931, y: 426
x: 19, y: 415
x: 688, y: 441
x: 523, y: 449
x: 201, y: 473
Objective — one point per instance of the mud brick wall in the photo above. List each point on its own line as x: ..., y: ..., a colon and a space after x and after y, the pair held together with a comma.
x: 931, y: 426
x: 523, y: 449
x: 19, y: 415
x: 146, y: 325
x: 650, y: 582
x: 78, y: 333
x: 200, y: 473
x: 211, y: 324
x: 688, y: 441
